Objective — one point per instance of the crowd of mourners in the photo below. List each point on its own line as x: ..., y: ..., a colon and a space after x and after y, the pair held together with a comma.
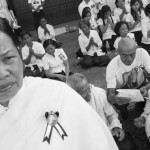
x: 124, y: 106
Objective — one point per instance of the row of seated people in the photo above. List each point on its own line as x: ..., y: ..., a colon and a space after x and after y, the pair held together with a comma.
x: 110, y: 31
x: 44, y: 60
x: 126, y: 115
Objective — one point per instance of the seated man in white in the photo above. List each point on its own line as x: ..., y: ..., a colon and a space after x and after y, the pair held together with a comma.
x: 97, y: 99
x: 129, y: 70
x: 90, y: 45
x: 45, y: 31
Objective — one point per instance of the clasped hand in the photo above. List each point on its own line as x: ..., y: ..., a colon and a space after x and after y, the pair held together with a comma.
x: 118, y: 132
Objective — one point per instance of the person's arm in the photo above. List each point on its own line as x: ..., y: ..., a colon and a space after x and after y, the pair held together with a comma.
x: 112, y: 24
x: 52, y: 32
x: 39, y: 56
x: 124, y: 11
x: 41, y: 34
x: 97, y: 41
x: 82, y: 45
x: 66, y: 64
x: 132, y: 25
x: 53, y: 75
x: 104, y: 28
x: 144, y: 25
x: 90, y: 43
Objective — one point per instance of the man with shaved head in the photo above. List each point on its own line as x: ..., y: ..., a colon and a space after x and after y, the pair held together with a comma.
x: 129, y: 70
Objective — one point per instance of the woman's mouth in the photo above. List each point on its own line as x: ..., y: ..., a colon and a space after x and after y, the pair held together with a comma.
x: 6, y: 87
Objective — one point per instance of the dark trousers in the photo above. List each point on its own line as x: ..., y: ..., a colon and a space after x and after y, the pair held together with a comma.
x: 91, y: 61
x: 138, y: 37
x: 146, y: 47
x: 62, y: 73
x: 136, y: 136
x: 36, y: 17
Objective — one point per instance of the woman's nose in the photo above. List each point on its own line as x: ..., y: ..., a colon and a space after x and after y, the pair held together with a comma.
x: 3, y: 72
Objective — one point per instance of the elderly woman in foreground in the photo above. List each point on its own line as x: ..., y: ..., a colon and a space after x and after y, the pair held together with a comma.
x: 38, y: 113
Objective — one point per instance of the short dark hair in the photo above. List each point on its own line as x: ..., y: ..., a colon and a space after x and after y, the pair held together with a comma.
x: 147, y: 9
x: 25, y: 33
x: 52, y: 42
x: 5, y: 28
x: 118, y: 25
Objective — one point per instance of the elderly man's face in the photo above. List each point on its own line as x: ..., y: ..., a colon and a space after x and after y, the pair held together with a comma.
x: 84, y: 90
x: 127, y: 55
x: 11, y: 69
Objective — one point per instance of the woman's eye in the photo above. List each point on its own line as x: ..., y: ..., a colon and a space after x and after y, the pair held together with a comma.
x: 9, y: 58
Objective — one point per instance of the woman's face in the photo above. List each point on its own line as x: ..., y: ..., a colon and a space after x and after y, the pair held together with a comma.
x: 88, y: 17
x: 123, y: 30
x: 43, y: 22
x: 85, y: 29
x: 120, y: 3
x: 27, y: 39
x: 11, y: 69
x: 107, y: 14
x: 136, y: 6
x: 50, y: 49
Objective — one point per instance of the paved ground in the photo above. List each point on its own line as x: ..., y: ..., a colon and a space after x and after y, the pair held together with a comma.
x: 95, y: 75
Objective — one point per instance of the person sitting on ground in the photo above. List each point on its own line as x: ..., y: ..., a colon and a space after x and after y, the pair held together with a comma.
x: 134, y: 19
x: 55, y: 61
x: 87, y: 17
x: 107, y: 23
x: 43, y: 114
x: 32, y: 54
x: 45, y: 31
x: 90, y: 45
x: 97, y: 99
x: 129, y: 70
x: 121, y: 11
x: 37, y: 10
x: 122, y: 30
x: 146, y: 29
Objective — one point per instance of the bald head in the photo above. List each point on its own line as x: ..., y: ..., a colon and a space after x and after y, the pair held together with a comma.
x: 127, y: 50
x: 75, y: 80
x: 126, y: 44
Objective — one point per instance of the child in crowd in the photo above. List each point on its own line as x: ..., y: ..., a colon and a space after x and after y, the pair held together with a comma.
x: 121, y: 11
x: 55, y: 61
x: 122, y: 30
x: 146, y: 29
x: 32, y: 53
x: 107, y: 23
x: 45, y: 31
x: 134, y: 19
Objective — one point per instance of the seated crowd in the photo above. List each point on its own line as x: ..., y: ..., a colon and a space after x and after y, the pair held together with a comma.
x: 124, y: 32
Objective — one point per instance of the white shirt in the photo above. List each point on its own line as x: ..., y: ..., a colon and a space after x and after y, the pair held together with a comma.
x: 117, y: 70
x: 84, y: 41
x: 36, y: 3
x: 145, y: 28
x: 118, y: 12
x: 24, y: 124
x: 55, y: 64
x: 129, y: 18
x: 83, y: 4
x: 131, y: 35
x: 109, y: 32
x: 38, y: 49
x: 105, y: 110
x: 3, y: 4
x: 145, y: 2
x: 44, y: 37
x: 101, y: 3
